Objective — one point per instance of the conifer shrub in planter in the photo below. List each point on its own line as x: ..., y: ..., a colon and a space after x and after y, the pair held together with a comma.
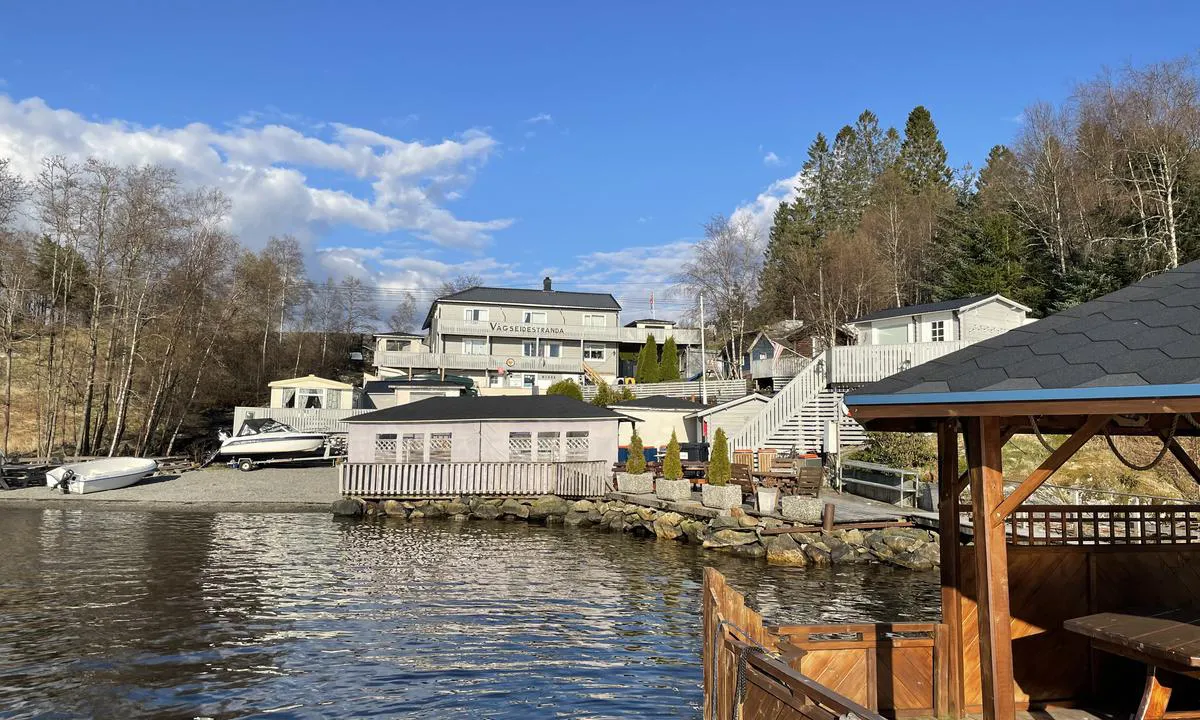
x: 717, y: 492
x: 672, y: 486
x: 635, y: 480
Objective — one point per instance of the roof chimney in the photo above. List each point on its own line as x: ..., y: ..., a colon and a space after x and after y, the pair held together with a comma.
x: 546, y: 284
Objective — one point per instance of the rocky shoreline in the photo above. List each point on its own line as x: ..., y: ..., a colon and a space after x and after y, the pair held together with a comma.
x: 737, y: 533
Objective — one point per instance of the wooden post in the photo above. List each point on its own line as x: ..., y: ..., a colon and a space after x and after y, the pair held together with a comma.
x: 948, y: 490
x: 827, y: 517
x: 991, y: 568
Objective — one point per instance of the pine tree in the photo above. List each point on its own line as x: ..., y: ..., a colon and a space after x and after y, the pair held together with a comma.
x: 647, y: 364
x: 668, y: 369
x: 922, y: 155
x: 672, y: 467
x: 718, y: 460
x: 635, y: 464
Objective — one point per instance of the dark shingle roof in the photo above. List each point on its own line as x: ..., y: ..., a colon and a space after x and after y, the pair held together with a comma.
x: 383, y: 386
x: 656, y: 321
x: 535, y: 407
x: 660, y: 402
x: 537, y: 298
x: 921, y: 309
x: 1128, y: 343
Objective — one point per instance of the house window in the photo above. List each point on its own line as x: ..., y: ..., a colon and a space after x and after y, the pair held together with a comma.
x: 412, y: 448
x: 310, y: 398
x: 552, y: 349
x: 937, y: 331
x: 394, y: 345
x: 593, y: 352
x: 475, y: 346
x: 385, y: 448
x: 534, y: 317
x: 528, y: 380
x: 439, y: 447
x: 529, y: 348
x: 520, y: 447
x: 476, y: 314
x: 594, y: 321
x: 547, y: 450
x: 577, y: 445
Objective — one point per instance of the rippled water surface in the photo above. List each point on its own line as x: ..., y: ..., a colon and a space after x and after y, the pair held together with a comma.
x: 107, y: 614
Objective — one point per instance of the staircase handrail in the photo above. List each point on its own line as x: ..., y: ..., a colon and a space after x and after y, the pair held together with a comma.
x: 807, y: 384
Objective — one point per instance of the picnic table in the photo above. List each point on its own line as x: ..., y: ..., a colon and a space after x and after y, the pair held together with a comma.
x: 1168, y: 640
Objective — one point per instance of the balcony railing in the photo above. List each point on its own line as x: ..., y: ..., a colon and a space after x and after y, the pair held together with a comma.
x: 483, y: 328
x: 458, y: 361
x: 784, y: 366
x: 855, y: 364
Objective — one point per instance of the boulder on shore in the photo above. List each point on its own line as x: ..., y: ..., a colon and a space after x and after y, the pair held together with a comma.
x: 348, y: 507
x: 784, y: 550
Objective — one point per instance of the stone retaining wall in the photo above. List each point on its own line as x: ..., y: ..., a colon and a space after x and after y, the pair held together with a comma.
x: 738, y: 533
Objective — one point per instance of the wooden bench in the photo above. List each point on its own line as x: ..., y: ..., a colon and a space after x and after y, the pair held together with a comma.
x: 742, y: 476
x: 1168, y: 640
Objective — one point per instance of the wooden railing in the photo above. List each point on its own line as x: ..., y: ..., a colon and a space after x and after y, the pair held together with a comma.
x: 857, y: 364
x: 1105, y: 525
x: 303, y: 420
x: 752, y: 672
x: 588, y: 479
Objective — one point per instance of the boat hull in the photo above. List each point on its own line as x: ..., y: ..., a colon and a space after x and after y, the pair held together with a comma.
x: 100, y: 475
x: 297, y: 445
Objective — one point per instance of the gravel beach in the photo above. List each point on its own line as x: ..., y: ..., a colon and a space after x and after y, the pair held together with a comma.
x: 306, y: 489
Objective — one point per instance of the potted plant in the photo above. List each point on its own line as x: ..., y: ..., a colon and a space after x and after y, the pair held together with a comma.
x: 672, y: 486
x: 766, y: 498
x: 635, y: 480
x: 717, y: 492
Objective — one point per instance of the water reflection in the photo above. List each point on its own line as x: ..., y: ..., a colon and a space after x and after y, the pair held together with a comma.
x: 170, y: 615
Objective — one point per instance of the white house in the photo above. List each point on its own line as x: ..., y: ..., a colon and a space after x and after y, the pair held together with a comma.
x: 966, y: 319
x: 729, y: 416
x: 657, y: 416
x: 537, y: 428
x: 313, y: 393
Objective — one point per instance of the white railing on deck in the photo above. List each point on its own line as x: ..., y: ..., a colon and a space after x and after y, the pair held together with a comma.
x: 718, y: 390
x: 304, y: 420
x: 403, y: 360
x: 785, y: 405
x: 589, y: 479
x: 785, y: 366
x: 854, y: 364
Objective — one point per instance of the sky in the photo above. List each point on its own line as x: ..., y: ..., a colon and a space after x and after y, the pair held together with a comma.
x: 407, y: 143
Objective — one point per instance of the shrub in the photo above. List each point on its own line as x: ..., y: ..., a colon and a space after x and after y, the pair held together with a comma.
x: 718, y: 460
x: 604, y: 395
x: 672, y: 467
x: 647, y: 364
x: 636, y: 464
x: 900, y: 450
x: 668, y: 368
x: 626, y: 393
x: 567, y: 388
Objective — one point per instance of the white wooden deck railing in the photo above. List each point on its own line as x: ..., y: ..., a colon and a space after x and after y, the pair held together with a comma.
x: 782, y: 407
x: 786, y: 365
x: 589, y: 479
x: 718, y: 390
x: 303, y: 420
x: 856, y: 364
x: 464, y: 361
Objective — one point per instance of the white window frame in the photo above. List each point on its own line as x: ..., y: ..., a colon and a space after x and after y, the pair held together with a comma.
x: 590, y: 350
x: 394, y: 344
x: 474, y: 346
x: 529, y: 348
x: 475, y: 314
x: 572, y: 452
x: 937, y: 331
x: 386, y: 447
x: 552, y: 349
x: 594, y: 320
x: 303, y: 393
x: 548, y: 446
x: 439, y: 452
x: 518, y: 451
x: 533, y: 317
x: 529, y: 381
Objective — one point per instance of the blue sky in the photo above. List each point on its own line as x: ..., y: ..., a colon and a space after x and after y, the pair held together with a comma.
x: 510, y: 139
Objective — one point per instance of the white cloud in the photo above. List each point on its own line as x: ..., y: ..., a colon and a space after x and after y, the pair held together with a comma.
x: 541, y: 118
x: 261, y: 168
x: 762, y: 209
x: 772, y: 159
x: 632, y: 274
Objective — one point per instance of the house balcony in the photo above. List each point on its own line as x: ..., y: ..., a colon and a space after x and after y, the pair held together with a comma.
x: 859, y: 364
x: 479, y: 328
x: 423, y: 361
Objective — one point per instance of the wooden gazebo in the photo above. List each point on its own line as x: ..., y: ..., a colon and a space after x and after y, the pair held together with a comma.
x: 1049, y: 611
x: 1027, y: 597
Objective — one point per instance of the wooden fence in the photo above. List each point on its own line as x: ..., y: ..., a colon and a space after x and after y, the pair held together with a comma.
x: 589, y: 479
x: 311, y: 420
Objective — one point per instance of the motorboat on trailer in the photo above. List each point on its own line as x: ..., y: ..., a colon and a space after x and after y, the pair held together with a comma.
x: 97, y: 475
x: 262, y: 438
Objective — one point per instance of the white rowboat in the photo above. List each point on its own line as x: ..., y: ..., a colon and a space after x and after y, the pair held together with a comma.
x: 98, y: 475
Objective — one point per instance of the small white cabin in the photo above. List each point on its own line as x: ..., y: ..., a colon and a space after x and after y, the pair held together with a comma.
x: 965, y: 319
x: 313, y: 393
x: 729, y: 416
x: 657, y: 416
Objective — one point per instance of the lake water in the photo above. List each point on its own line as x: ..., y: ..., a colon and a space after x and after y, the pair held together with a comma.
x: 114, y: 614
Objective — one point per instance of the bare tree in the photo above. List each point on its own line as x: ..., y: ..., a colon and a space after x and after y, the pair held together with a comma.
x: 459, y: 283
x: 725, y: 267
x: 404, y: 317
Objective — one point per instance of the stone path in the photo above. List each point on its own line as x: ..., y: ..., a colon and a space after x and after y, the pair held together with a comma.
x: 306, y: 489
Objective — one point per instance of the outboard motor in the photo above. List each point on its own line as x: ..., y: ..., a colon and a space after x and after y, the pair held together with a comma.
x: 64, y: 483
